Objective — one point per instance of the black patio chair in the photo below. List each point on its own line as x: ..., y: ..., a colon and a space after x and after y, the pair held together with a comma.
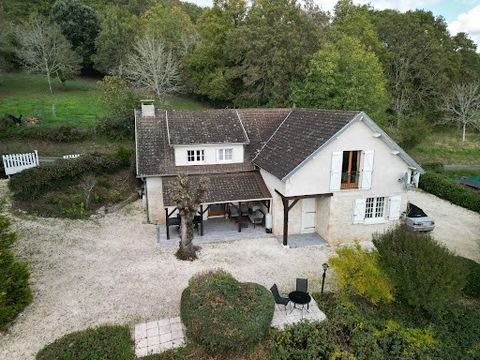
x: 279, y: 299
x: 302, y: 285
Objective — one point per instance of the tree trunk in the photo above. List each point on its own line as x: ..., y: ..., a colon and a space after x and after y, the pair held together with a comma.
x: 463, y: 132
x: 186, y: 232
x: 49, y: 82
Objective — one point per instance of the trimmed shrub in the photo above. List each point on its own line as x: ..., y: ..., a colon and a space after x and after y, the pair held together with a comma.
x: 15, y: 293
x: 359, y: 273
x: 425, y: 273
x: 472, y: 286
x: 32, y: 183
x: 445, y: 188
x: 101, y: 343
x: 224, y: 315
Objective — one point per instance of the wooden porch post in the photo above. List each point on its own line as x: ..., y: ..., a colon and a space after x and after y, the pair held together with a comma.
x: 166, y: 223
x: 285, y: 221
x: 201, y: 220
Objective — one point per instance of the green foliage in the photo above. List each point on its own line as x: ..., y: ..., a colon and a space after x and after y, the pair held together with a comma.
x: 224, y: 315
x: 119, y: 100
x: 358, y: 272
x: 118, y: 28
x: 79, y: 24
x: 15, y: 293
x: 445, y: 188
x: 345, y: 76
x: 472, y: 286
x: 424, y: 273
x: 412, y: 131
x: 32, y: 183
x: 57, y: 134
x: 100, y: 343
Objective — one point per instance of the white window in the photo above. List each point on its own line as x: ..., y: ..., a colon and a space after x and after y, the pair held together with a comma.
x: 195, y: 156
x: 225, y: 155
x: 375, y: 208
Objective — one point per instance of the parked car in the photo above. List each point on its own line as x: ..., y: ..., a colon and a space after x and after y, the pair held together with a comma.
x: 417, y: 220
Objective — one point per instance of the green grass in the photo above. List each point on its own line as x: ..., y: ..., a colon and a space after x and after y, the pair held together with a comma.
x: 76, y: 104
x: 445, y: 146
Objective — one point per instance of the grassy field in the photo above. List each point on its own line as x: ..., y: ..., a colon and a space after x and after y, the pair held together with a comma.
x: 77, y: 104
x: 445, y: 147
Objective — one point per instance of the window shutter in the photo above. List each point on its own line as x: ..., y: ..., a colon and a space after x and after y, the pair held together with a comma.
x: 367, y: 169
x: 336, y: 171
x: 395, y: 204
x: 359, y: 211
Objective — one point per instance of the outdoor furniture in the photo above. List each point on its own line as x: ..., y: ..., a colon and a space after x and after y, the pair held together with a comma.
x: 299, y: 298
x: 233, y: 212
x: 256, y: 218
x: 197, y: 220
x: 279, y: 299
x: 242, y: 222
x: 243, y: 210
x: 302, y: 285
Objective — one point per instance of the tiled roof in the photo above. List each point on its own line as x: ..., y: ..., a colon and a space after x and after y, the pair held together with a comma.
x: 298, y: 137
x: 205, y: 127
x: 223, y: 187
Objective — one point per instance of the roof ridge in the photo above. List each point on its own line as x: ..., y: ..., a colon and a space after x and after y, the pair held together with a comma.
x: 271, y: 136
x: 243, y: 127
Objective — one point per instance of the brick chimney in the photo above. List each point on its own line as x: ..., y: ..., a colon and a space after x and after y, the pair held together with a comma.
x: 148, y: 108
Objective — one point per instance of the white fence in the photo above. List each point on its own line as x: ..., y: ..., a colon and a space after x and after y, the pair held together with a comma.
x: 15, y: 163
x: 73, y: 156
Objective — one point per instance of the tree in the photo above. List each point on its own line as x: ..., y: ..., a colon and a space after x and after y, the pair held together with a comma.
x: 118, y: 28
x: 152, y: 67
x: 43, y: 49
x: 79, y: 24
x: 171, y: 25
x: 274, y: 46
x: 344, y: 76
x: 187, y: 201
x: 462, y: 106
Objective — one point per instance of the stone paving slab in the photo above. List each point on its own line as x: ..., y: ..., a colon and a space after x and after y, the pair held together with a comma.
x: 156, y: 336
x: 296, y: 315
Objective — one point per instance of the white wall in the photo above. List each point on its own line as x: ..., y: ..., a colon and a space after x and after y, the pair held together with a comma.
x: 156, y: 210
x: 210, y: 154
x: 314, y: 176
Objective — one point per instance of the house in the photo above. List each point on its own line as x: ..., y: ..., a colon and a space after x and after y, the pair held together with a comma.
x: 334, y: 173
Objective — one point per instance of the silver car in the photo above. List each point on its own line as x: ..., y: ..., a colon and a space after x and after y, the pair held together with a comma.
x: 417, y: 220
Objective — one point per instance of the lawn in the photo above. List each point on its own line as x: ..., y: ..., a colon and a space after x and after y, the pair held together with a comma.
x: 76, y: 104
x: 445, y: 146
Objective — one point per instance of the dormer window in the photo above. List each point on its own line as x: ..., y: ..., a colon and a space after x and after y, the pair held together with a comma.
x: 225, y: 155
x: 195, y: 156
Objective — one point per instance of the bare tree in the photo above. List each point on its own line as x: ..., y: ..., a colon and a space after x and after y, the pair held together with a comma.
x: 43, y: 49
x: 89, y: 183
x: 187, y: 201
x: 152, y: 67
x: 462, y: 106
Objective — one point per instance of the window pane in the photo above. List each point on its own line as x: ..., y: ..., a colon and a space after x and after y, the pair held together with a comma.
x: 220, y: 154
x: 190, y: 155
x: 369, y: 208
x: 379, y: 207
x: 228, y: 154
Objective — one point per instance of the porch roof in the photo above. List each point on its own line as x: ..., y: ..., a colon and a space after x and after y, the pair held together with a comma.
x: 223, y: 188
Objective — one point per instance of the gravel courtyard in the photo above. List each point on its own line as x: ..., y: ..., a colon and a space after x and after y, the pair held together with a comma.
x: 86, y: 273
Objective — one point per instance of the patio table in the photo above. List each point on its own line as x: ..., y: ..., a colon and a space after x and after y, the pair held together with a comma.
x: 299, y: 298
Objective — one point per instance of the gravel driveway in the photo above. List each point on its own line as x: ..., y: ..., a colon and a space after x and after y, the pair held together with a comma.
x: 86, y: 273
x: 456, y: 227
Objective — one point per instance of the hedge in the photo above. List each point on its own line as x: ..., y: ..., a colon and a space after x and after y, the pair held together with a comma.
x: 100, y: 343
x: 224, y: 315
x: 445, y: 188
x: 32, y: 183
x: 472, y: 287
x: 15, y: 292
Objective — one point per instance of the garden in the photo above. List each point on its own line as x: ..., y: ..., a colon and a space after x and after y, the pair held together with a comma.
x: 411, y: 298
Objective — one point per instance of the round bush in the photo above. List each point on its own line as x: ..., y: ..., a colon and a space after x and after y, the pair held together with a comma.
x: 225, y: 315
x: 472, y: 287
x: 101, y: 343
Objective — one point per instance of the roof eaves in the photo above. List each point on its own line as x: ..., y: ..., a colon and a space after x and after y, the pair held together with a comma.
x: 271, y: 136
x: 391, y: 143
x: 312, y: 155
x: 136, y: 142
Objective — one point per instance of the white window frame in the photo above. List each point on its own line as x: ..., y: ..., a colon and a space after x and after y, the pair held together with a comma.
x: 375, y: 209
x: 197, y: 154
x: 222, y: 155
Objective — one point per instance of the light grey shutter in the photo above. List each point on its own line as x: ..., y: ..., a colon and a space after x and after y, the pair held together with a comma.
x: 395, y: 204
x: 359, y: 211
x: 336, y: 171
x: 367, y: 169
